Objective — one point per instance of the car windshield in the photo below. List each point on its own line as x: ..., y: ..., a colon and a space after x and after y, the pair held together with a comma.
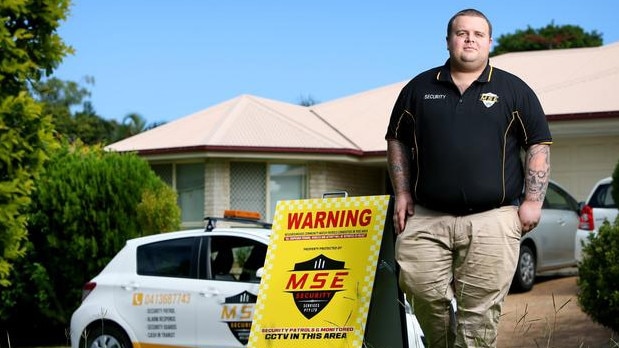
x: 602, y: 197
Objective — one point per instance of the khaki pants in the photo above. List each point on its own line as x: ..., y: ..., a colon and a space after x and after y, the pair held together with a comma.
x: 470, y: 258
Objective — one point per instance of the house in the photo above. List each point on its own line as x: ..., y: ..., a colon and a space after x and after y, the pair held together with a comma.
x: 578, y: 90
x: 250, y: 152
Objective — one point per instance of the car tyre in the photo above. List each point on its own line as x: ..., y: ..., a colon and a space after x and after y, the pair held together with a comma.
x: 525, y: 272
x: 107, y: 336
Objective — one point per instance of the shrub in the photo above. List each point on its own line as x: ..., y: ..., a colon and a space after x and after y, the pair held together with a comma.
x: 599, y: 276
x: 158, y: 211
x: 85, y: 206
x: 615, y: 185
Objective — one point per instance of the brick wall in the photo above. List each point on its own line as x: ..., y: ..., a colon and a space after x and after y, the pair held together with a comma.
x: 322, y: 177
x: 216, y: 187
x: 354, y: 179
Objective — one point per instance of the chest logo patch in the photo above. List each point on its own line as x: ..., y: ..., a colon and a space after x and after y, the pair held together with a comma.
x: 489, y: 99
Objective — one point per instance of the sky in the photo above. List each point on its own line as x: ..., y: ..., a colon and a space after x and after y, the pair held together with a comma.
x: 166, y: 59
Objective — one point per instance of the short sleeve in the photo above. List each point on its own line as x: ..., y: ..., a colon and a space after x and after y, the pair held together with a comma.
x: 401, y: 122
x: 533, y: 118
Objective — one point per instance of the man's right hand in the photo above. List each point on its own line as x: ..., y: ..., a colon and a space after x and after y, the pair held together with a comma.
x: 398, y: 159
x: 404, y: 208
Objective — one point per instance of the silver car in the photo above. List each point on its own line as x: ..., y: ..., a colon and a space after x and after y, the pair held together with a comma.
x: 551, y: 245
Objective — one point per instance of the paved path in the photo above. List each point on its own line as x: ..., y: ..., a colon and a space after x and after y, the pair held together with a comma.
x: 549, y: 316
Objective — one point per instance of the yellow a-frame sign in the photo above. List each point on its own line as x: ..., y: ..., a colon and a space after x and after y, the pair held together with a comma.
x: 329, y: 278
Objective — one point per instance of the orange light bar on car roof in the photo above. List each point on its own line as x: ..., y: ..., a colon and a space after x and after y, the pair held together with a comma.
x: 242, y: 214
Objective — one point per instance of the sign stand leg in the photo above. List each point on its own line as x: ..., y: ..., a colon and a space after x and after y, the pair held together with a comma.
x: 386, y: 323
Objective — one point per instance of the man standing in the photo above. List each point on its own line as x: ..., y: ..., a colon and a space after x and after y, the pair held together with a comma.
x: 454, y: 151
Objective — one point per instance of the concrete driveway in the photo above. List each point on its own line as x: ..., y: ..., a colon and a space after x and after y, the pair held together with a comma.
x: 549, y: 316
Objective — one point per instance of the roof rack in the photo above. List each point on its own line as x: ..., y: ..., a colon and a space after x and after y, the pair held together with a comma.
x: 242, y: 216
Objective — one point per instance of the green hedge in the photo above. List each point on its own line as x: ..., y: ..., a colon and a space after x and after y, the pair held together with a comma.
x: 85, y: 206
x: 599, y: 271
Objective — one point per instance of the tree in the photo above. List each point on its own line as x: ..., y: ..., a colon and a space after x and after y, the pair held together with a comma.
x: 132, y: 124
x: 307, y: 100
x: 75, y: 118
x: 90, y: 128
x: 85, y: 207
x: 30, y: 48
x: 549, y: 37
x: 62, y: 100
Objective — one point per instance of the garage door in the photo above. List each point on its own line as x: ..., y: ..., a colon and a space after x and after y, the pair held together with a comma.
x: 578, y: 163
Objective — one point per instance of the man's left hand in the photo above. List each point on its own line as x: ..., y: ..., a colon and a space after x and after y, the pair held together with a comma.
x: 530, y: 213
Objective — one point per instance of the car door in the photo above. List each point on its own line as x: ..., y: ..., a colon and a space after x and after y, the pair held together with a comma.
x: 229, y: 291
x: 158, y: 299
x: 556, y: 231
x: 603, y: 204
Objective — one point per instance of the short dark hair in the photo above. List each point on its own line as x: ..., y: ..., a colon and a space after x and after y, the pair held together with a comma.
x: 469, y: 12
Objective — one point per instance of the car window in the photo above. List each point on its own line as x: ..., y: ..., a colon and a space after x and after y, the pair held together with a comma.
x: 556, y: 198
x: 236, y: 258
x: 170, y: 258
x: 602, y: 197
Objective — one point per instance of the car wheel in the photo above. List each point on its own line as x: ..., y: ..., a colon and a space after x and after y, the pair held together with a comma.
x: 525, y: 272
x: 107, y: 336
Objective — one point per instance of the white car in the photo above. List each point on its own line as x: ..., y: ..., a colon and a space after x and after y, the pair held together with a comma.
x: 599, y: 207
x: 192, y: 288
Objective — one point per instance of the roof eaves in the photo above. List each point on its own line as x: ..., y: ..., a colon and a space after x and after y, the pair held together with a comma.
x: 249, y: 149
x: 583, y: 116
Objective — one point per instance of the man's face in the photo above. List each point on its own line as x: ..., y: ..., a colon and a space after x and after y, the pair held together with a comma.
x: 469, y: 42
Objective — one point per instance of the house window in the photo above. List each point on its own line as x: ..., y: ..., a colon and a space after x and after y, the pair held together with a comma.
x: 188, y: 181
x: 259, y: 186
x: 286, y: 182
x: 248, y: 186
x: 190, y: 190
x: 165, y: 172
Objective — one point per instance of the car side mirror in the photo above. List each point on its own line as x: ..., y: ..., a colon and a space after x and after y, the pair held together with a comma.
x: 260, y: 272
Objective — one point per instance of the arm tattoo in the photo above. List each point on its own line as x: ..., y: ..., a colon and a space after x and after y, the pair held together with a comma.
x: 398, y: 158
x: 537, y: 172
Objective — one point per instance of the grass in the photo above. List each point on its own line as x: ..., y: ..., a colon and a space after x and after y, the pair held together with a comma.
x: 550, y: 335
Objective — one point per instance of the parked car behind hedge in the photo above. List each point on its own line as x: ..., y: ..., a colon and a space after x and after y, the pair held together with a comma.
x: 599, y: 207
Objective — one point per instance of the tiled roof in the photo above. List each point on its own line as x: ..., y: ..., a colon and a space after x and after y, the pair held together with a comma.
x: 363, y: 117
x: 569, y: 81
x: 245, y: 121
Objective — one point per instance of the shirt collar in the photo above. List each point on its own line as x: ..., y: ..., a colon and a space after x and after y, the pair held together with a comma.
x: 445, y: 75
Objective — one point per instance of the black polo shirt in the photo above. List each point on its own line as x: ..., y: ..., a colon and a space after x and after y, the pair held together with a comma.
x: 467, y: 147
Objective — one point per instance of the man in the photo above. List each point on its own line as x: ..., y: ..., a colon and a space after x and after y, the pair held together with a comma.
x: 454, y: 143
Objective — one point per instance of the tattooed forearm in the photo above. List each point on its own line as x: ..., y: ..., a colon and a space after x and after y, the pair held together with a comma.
x: 537, y: 172
x: 398, y: 158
